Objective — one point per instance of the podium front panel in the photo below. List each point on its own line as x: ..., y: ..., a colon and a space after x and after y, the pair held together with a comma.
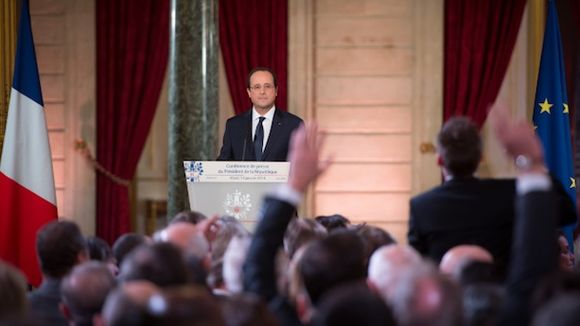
x: 232, y: 188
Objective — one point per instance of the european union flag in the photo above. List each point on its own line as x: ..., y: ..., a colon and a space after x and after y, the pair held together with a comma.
x: 551, y: 113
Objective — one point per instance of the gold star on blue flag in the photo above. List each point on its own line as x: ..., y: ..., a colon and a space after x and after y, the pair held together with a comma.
x: 554, y: 128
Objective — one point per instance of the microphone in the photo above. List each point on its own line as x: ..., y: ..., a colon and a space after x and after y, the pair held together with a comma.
x: 244, y: 149
x: 248, y: 133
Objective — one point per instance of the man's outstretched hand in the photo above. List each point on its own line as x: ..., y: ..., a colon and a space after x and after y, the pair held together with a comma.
x: 304, y: 156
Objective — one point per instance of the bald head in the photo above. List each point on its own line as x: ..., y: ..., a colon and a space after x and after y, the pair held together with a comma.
x: 85, y: 289
x: 186, y: 237
x: 388, y: 264
x: 127, y: 305
x: 456, y: 258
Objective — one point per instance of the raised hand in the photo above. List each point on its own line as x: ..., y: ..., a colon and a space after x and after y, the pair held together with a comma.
x: 304, y: 156
x: 518, y: 139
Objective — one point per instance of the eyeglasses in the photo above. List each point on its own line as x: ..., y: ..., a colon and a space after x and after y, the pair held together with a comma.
x: 266, y: 87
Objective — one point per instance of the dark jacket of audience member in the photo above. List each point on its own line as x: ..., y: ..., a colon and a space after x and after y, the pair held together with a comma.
x: 533, y: 259
x: 60, y: 246
x: 259, y: 269
x: 465, y: 209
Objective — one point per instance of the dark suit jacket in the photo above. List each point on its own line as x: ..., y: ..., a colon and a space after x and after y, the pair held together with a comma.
x: 463, y: 211
x: 259, y: 270
x: 469, y: 211
x: 535, y: 253
x: 238, y: 142
x: 44, y: 301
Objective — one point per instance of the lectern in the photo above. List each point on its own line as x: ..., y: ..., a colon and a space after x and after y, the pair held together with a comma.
x: 232, y: 188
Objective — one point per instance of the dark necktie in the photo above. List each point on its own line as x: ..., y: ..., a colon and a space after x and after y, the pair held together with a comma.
x: 259, y: 139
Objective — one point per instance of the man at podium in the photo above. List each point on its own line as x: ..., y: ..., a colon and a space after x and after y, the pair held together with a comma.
x: 262, y: 133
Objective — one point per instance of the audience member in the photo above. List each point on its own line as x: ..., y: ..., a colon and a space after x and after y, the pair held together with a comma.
x: 413, y: 288
x: 433, y: 300
x: 84, y: 292
x: 276, y: 213
x: 184, y: 305
x: 389, y: 265
x: 228, y: 228
x: 333, y: 222
x: 459, y: 211
x: 553, y: 285
x: 456, y: 258
x: 373, y: 239
x: 482, y: 304
x: 197, y: 269
x: 188, y: 238
x: 192, y: 217
x: 246, y: 310
x: 329, y: 262
x: 352, y: 304
x: 100, y: 250
x: 300, y: 231
x: 13, y: 302
x: 563, y: 310
x: 60, y: 246
x: 162, y: 264
x: 234, y: 258
x: 127, y: 304
x: 538, y: 206
x: 126, y: 243
x: 477, y: 272
x: 566, y: 256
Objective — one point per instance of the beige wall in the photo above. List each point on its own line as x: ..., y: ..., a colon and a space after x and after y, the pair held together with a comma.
x: 370, y: 68
x: 64, y: 36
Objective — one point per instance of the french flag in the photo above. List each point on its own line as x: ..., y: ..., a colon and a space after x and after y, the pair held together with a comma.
x: 27, y: 196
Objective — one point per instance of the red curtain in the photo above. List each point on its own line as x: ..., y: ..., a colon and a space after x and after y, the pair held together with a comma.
x: 253, y: 33
x: 569, y: 20
x: 479, y: 39
x: 132, y: 53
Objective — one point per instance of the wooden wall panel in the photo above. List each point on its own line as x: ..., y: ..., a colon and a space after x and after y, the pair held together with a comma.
x: 48, y: 29
x: 352, y: 177
x: 389, y: 8
x: 394, y: 119
x: 59, y: 172
x: 50, y: 59
x: 363, y: 31
x: 370, y: 147
x: 363, y: 90
x: 364, y: 73
x: 54, y: 116
x: 378, y: 61
x: 56, y: 139
x: 52, y: 87
x: 60, y: 200
x: 45, y: 7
